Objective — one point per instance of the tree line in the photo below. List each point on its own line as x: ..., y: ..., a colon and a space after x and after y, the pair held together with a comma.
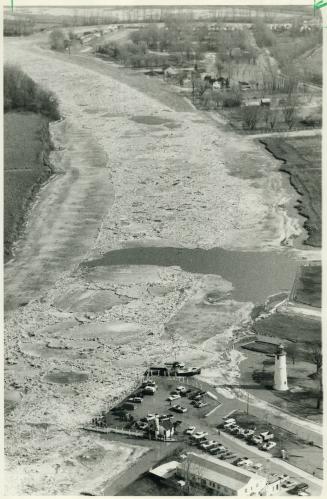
x: 21, y: 93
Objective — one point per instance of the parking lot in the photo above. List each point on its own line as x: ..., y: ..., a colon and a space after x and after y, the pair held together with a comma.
x: 233, y: 448
x: 158, y: 404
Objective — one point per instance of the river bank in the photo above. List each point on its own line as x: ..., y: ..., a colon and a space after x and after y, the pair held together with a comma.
x: 124, y: 183
x: 27, y: 146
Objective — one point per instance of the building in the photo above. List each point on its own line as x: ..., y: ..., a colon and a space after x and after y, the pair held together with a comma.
x: 219, y: 477
x: 162, y: 430
x: 273, y: 486
x: 280, y: 374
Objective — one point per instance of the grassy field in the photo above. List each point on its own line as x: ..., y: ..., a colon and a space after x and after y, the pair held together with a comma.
x: 26, y: 147
x: 307, y: 288
x: 289, y: 327
x: 302, y: 157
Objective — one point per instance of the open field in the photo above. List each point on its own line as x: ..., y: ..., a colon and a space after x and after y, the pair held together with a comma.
x: 289, y: 327
x: 26, y: 149
x: 307, y: 286
x: 302, y: 161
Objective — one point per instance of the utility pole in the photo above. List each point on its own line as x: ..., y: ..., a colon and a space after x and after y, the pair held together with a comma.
x: 247, y: 404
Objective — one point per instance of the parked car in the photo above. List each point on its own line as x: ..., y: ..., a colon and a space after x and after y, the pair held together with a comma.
x: 229, y: 425
x: 192, y: 396
x: 268, y: 445
x: 209, y: 445
x: 200, y: 404
x: 150, y: 417
x: 229, y: 420
x: 173, y: 397
x: 244, y: 461
x: 149, y: 390
x: 248, y: 433
x: 266, y: 435
x: 256, y: 439
x: 215, y: 450
x: 300, y: 487
x: 234, y: 430
x: 199, y: 434
x: 181, y: 388
x: 190, y: 430
x: 136, y: 400
x: 257, y: 466
x: 240, y: 432
x: 179, y: 408
x: 288, y: 484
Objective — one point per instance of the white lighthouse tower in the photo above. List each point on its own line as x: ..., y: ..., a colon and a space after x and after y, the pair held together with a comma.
x: 280, y: 376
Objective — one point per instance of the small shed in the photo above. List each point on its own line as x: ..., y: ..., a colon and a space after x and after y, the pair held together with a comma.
x: 265, y: 102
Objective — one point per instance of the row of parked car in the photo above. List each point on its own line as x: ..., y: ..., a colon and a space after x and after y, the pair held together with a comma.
x: 264, y: 441
x: 217, y: 449
x: 195, y: 396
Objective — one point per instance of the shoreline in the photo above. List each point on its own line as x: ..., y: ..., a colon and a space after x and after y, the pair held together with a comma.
x: 110, y: 323
x: 19, y: 225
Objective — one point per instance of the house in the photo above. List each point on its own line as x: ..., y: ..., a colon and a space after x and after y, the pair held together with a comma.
x: 252, y: 103
x: 219, y: 477
x: 216, y: 85
x: 169, y: 72
x: 273, y: 486
x: 162, y: 430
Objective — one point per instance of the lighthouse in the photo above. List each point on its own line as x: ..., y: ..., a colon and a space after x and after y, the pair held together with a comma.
x: 280, y: 376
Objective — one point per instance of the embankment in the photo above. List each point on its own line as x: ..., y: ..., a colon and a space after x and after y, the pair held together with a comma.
x: 302, y: 162
x: 27, y: 146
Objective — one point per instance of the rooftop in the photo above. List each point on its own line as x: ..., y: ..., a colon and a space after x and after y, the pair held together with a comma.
x: 220, y: 472
x: 165, y: 470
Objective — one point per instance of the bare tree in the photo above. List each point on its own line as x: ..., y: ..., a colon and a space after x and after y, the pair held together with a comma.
x: 320, y: 387
x: 316, y: 355
x: 250, y: 116
x: 293, y: 351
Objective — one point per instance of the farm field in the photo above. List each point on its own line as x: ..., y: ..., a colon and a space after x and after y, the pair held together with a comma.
x: 26, y: 145
x: 302, y: 157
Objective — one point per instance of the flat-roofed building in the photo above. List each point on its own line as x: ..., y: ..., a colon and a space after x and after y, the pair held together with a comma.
x: 220, y: 478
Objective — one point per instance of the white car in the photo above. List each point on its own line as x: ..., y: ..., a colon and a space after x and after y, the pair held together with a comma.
x: 229, y: 420
x: 256, y: 439
x: 229, y: 424
x: 268, y: 445
x: 248, y: 433
x: 266, y: 435
x: 190, y: 430
x: 289, y: 484
x: 181, y: 388
x: 209, y: 445
x: 199, y: 434
x: 173, y: 397
x: 150, y: 417
x: 245, y: 462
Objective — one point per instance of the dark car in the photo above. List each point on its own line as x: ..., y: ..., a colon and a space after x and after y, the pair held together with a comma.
x: 301, y: 486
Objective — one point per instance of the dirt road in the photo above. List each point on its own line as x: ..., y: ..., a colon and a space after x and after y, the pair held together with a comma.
x: 138, y: 167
